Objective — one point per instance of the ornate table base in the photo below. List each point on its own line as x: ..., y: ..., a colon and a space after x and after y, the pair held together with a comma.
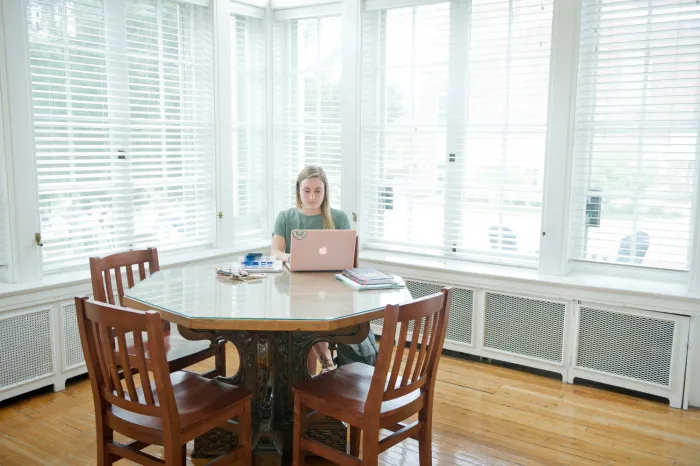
x: 271, y: 363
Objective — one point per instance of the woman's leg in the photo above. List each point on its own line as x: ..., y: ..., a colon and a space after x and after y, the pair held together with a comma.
x: 320, y: 352
x: 311, y: 361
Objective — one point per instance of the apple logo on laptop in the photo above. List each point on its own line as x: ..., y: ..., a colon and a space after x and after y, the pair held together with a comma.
x: 323, y: 250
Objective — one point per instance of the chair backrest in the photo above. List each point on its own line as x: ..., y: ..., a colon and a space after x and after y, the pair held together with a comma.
x: 103, y: 269
x: 427, y: 317
x: 103, y: 335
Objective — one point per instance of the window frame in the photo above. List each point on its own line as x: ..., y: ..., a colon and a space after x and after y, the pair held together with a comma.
x: 21, y: 174
x: 19, y: 131
x: 282, y: 19
x: 5, y: 181
x: 690, y: 277
x: 251, y: 12
x: 116, y: 44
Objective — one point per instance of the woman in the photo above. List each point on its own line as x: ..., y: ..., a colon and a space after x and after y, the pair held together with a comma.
x: 312, y: 212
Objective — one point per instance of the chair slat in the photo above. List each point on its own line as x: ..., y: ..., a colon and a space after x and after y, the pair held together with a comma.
x: 142, y: 271
x: 406, y: 376
x: 104, y: 369
x: 143, y: 370
x: 106, y: 347
x: 423, y: 347
x: 126, y: 367
x: 153, y: 264
x: 108, y: 285
x: 430, y: 348
x: 120, y: 286
x: 129, y: 275
x: 398, y: 357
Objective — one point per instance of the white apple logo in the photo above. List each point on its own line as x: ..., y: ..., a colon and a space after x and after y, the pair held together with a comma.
x: 323, y: 251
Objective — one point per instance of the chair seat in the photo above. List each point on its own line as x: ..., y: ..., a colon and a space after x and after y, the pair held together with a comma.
x: 347, y: 388
x: 197, y: 399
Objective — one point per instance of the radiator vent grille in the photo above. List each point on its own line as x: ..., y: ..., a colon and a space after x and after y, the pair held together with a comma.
x: 25, y: 347
x: 628, y: 345
x: 527, y: 327
x: 72, y: 349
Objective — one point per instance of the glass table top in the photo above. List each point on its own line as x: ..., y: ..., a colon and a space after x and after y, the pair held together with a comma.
x: 199, y: 293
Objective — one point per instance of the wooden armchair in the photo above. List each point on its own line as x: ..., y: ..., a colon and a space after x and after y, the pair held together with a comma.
x: 180, y: 352
x: 372, y: 398
x: 158, y: 408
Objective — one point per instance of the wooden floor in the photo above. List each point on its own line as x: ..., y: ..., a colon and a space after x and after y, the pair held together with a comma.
x: 484, y: 414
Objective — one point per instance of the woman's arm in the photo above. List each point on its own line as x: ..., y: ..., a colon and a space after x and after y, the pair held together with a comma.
x: 279, y: 245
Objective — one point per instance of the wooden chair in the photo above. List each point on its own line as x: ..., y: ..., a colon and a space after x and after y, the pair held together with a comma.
x: 180, y: 352
x: 158, y: 408
x: 372, y: 398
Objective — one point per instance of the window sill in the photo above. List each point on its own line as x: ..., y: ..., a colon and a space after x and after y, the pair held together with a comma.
x: 576, y: 279
x: 176, y: 259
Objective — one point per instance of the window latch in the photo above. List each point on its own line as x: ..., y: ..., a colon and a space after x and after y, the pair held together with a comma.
x: 221, y: 214
x: 37, y: 238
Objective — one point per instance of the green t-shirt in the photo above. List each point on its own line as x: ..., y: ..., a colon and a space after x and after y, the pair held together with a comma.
x: 292, y: 219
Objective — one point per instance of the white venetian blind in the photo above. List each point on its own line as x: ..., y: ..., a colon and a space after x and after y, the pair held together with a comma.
x: 636, y: 134
x: 404, y: 125
x: 455, y: 103
x: 122, y: 101
x: 281, y: 4
x: 307, y: 110
x: 248, y: 133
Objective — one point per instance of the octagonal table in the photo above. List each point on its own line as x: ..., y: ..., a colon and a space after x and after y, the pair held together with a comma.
x: 273, y: 323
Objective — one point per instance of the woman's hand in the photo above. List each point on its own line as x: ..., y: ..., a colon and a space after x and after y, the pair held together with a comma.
x: 278, y: 247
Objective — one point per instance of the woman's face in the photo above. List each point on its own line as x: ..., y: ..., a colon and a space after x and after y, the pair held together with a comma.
x: 312, y: 192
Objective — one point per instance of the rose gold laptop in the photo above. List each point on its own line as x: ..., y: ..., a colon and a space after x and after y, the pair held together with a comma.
x: 321, y: 250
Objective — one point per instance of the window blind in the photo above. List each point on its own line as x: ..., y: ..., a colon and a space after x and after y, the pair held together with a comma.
x: 258, y: 3
x: 122, y: 102
x: 404, y: 126
x: 307, y: 112
x: 248, y: 85
x: 636, y: 132
x: 281, y: 4
x: 455, y: 102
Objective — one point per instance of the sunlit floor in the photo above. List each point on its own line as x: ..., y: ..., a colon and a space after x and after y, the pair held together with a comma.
x: 483, y: 414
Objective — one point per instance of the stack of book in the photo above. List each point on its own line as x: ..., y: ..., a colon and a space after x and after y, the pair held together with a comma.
x: 365, y: 278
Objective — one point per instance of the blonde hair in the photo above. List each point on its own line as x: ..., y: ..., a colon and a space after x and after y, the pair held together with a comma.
x: 317, y: 172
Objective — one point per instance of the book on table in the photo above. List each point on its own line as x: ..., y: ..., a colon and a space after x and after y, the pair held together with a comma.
x: 368, y: 276
x: 397, y: 282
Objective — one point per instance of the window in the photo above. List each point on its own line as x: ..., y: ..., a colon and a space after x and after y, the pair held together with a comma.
x: 307, y: 113
x: 123, y: 114
x: 249, y: 132
x: 455, y: 100
x: 4, y: 211
x: 636, y: 132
